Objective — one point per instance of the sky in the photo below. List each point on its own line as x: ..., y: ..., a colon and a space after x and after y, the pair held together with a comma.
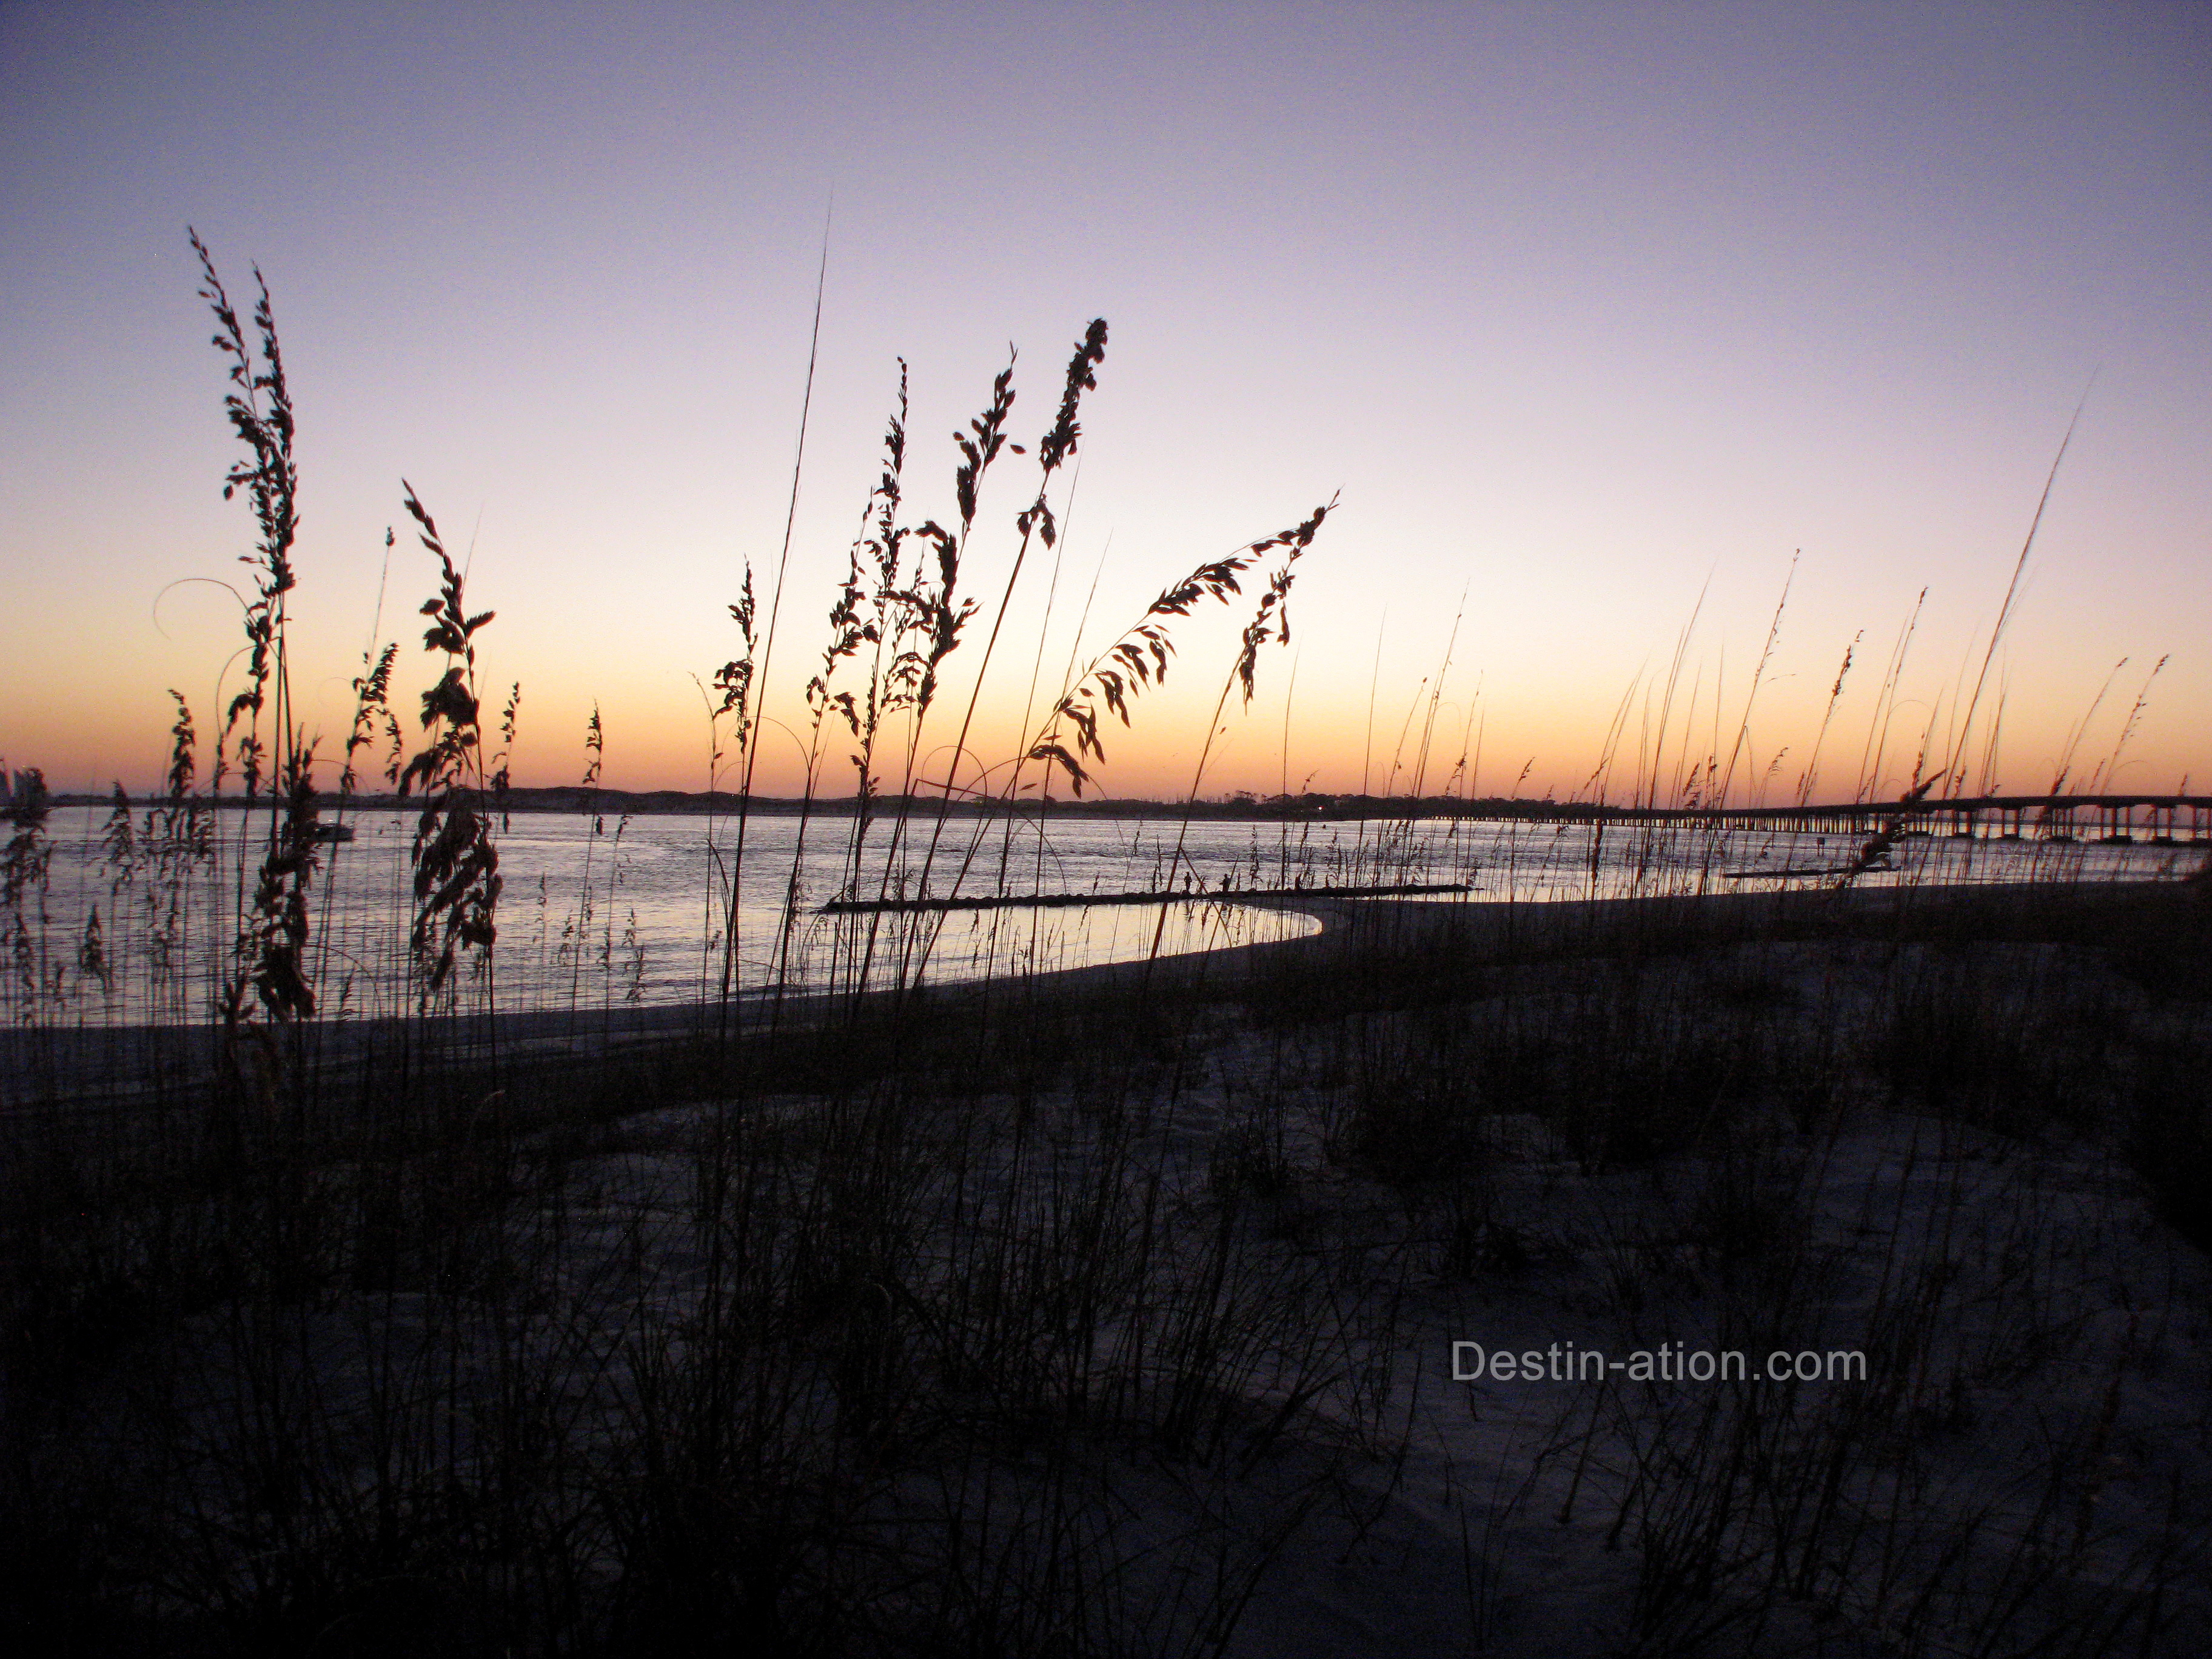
x: 1604, y: 325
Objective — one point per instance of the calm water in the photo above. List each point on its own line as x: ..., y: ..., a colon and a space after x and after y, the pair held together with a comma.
x: 613, y: 911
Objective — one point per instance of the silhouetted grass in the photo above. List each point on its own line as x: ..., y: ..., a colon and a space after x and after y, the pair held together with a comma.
x: 1101, y: 1314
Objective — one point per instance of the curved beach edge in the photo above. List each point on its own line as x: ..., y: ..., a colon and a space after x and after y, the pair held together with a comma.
x: 63, y: 1066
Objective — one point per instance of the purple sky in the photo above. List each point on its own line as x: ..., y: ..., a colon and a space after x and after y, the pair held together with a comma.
x: 1584, y: 311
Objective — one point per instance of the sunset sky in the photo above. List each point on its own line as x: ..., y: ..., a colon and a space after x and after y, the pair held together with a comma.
x: 1583, y: 312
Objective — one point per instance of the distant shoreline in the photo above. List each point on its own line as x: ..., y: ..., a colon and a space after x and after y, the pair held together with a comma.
x: 616, y: 803
x: 1851, y: 817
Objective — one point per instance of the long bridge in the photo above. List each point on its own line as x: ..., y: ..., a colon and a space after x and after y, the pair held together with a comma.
x: 2162, y: 820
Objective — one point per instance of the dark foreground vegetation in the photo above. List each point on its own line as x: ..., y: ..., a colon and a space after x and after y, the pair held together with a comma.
x: 1112, y: 1314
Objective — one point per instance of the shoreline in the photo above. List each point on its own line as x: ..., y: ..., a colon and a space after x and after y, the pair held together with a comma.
x: 56, y: 1068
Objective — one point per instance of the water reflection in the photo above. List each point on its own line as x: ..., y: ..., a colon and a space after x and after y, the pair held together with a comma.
x: 610, y: 911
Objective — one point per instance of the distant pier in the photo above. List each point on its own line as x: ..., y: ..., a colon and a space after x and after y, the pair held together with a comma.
x: 2162, y: 820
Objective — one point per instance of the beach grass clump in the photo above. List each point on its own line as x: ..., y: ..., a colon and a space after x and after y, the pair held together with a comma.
x: 2169, y: 1134
x: 267, y: 987
x: 25, y: 863
x: 1626, y: 1062
x: 457, y: 879
x: 2010, y: 1042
